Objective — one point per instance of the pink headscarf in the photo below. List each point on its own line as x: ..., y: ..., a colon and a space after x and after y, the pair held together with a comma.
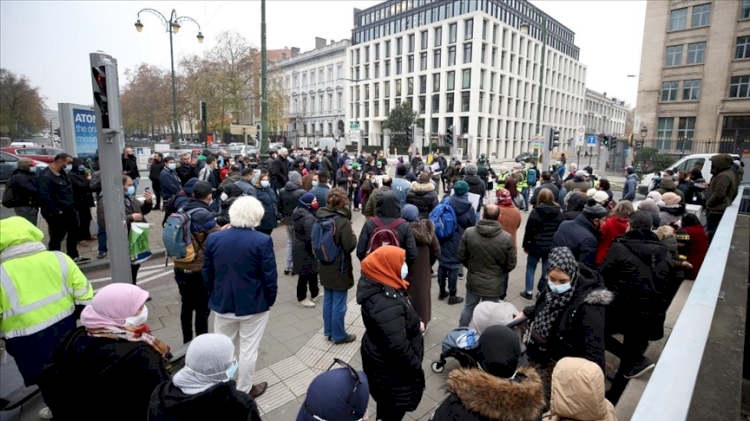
x: 112, y: 305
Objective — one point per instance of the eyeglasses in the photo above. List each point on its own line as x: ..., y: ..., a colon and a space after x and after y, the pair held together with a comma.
x: 357, y: 383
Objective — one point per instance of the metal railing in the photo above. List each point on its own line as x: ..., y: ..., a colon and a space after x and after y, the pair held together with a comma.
x: 669, y: 391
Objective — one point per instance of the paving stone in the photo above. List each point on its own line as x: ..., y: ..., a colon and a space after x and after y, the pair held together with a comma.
x: 299, y: 383
x: 327, y: 359
x: 320, y: 342
x: 274, y: 398
x: 266, y: 375
x: 310, y: 355
x: 286, y: 333
x: 295, y: 344
x: 288, y: 367
x: 268, y: 355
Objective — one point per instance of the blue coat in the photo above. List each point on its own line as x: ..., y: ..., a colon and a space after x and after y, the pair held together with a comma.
x: 581, y: 237
x: 321, y: 193
x: 466, y: 217
x: 170, y: 183
x: 270, y: 204
x: 239, y: 270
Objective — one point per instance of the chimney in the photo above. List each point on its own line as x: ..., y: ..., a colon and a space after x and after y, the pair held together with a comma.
x: 295, y: 51
x: 604, y: 94
x: 320, y: 42
x: 333, y: 41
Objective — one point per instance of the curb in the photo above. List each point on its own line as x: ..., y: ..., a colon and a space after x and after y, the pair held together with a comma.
x: 95, y: 265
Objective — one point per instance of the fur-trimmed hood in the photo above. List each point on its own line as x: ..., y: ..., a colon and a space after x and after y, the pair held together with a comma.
x: 600, y: 297
x: 423, y: 231
x: 422, y: 188
x: 519, y: 399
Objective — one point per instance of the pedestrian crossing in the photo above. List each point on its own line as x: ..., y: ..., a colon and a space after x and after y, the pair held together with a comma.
x: 145, y: 275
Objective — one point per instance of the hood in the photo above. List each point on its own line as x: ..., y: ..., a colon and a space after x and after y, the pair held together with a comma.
x: 328, y: 211
x: 578, y: 391
x: 424, y: 231
x: 473, y: 180
x: 548, y: 212
x: 301, y: 212
x: 576, y: 202
x: 634, y: 176
x: 488, y: 313
x: 422, y: 188
x: 17, y: 231
x: 488, y: 228
x: 674, y: 210
x: 460, y: 204
x: 591, y: 287
x: 232, y: 190
x: 28, y: 173
x: 644, y: 245
x: 519, y: 399
x: 292, y: 186
x: 388, y: 205
x: 667, y: 184
x: 194, y: 203
x: 720, y: 163
x: 173, y: 403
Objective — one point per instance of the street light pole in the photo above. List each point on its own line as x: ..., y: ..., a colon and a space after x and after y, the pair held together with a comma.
x: 263, y: 93
x: 359, y: 104
x: 172, y: 26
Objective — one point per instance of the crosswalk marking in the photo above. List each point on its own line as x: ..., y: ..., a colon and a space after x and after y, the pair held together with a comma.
x: 146, y: 270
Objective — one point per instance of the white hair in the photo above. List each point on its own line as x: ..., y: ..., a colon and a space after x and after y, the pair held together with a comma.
x: 246, y: 212
x: 573, y: 167
x: 283, y: 151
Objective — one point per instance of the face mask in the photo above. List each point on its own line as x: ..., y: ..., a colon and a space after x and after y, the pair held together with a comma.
x: 254, y: 180
x: 265, y: 184
x: 559, y: 289
x: 314, y: 206
x: 130, y: 191
x: 348, y: 167
x: 315, y: 183
x: 68, y: 167
x: 232, y: 370
x: 404, y: 271
x: 138, y: 319
x: 172, y: 166
x: 224, y: 197
x: 81, y: 168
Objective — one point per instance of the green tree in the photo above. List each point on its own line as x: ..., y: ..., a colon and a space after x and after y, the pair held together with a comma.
x: 650, y: 160
x: 399, y: 120
x: 278, y: 105
x: 21, y: 105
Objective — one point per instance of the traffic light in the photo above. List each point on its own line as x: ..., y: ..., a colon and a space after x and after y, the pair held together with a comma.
x: 100, y: 94
x: 449, y: 136
x: 57, y: 132
x: 605, y: 140
x: 554, y: 138
x: 613, y: 143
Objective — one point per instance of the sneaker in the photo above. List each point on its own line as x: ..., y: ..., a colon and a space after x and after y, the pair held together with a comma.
x: 101, y: 255
x: 356, y: 209
x: 639, y: 369
x: 306, y: 303
x: 442, y: 295
x: 317, y: 298
x: 349, y: 338
x: 81, y: 259
x: 526, y: 296
x: 455, y: 300
x: 45, y: 414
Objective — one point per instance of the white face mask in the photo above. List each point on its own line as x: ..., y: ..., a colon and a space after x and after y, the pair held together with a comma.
x: 265, y: 184
x: 404, y: 271
x: 224, y: 197
x: 138, y: 319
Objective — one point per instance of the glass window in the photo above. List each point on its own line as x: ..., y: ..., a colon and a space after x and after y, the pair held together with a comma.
x: 376, y: 108
x: 465, y: 100
x: 701, y: 15
x: 423, y: 61
x: 482, y: 74
x: 399, y: 46
x: 422, y: 105
x: 367, y: 54
x: 494, y: 55
x: 377, y: 70
x: 739, y: 87
x: 691, y: 90
x: 674, y: 55
x: 452, y: 33
x: 686, y: 128
x: 377, y: 91
x: 423, y: 84
x: 436, y: 58
x: 452, y: 55
x: 466, y: 84
x: 387, y: 90
x: 484, y: 52
x: 743, y: 48
x: 398, y: 87
x: 467, y: 53
x: 438, y: 36
x: 398, y: 65
x: 468, y: 28
x: 387, y: 68
x: 669, y: 90
x: 410, y: 86
x: 745, y: 9
x: 411, y: 63
x: 435, y: 103
x: 423, y: 43
x: 484, y: 31
x: 481, y: 100
x: 367, y: 71
x: 678, y: 19
x: 697, y: 51
x: 666, y: 125
x: 435, y: 82
x: 411, y: 43
x: 452, y: 80
x: 449, y: 99
x: 387, y: 49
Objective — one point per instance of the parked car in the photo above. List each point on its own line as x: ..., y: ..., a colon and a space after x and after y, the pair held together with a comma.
x: 9, y: 163
x: 524, y: 157
x: 701, y: 160
x: 37, y: 153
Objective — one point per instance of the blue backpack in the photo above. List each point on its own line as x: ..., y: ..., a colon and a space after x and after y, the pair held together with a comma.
x: 177, y: 237
x: 531, y: 176
x: 444, y: 218
x: 324, y: 244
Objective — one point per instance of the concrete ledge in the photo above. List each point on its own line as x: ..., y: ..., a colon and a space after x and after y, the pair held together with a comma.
x: 95, y: 265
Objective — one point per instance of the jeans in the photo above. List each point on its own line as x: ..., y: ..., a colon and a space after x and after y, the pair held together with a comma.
x: 471, y: 301
x: 334, y: 311
x: 101, y: 237
x: 525, y: 194
x: 712, y: 224
x: 289, y: 241
x: 194, y: 299
x: 451, y: 274
x: 135, y: 183
x: 531, y: 262
x: 64, y: 226
x: 307, y: 281
x: 248, y: 331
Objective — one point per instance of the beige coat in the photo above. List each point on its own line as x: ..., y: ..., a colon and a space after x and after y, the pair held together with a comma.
x: 578, y: 393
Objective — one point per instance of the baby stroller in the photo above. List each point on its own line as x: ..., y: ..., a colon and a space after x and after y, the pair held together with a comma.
x: 461, y: 343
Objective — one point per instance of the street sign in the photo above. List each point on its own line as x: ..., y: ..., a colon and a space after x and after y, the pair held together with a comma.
x: 591, y: 141
x: 354, y: 134
x: 580, y: 134
x: 353, y: 126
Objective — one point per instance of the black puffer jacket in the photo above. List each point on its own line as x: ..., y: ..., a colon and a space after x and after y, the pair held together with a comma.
x: 476, y: 186
x: 488, y: 253
x: 392, y: 347
x: 581, y: 237
x: 169, y: 403
x: 465, y: 217
x: 233, y: 191
x: 388, y: 209
x: 424, y: 197
x: 540, y: 228
x: 25, y: 188
x: 637, y: 269
x: 303, y: 260
x: 289, y: 199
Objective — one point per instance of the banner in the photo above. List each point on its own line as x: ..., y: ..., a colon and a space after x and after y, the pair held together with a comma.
x: 84, y: 128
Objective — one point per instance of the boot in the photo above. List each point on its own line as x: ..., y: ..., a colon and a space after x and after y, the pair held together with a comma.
x: 455, y: 300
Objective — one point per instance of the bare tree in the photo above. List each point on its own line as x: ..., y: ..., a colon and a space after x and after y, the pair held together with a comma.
x: 21, y: 105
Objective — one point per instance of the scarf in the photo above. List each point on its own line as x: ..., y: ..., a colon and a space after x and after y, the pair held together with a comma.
x: 545, y: 321
x: 384, y: 267
x: 132, y: 334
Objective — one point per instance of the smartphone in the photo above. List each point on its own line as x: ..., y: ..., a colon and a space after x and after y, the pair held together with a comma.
x: 148, y: 189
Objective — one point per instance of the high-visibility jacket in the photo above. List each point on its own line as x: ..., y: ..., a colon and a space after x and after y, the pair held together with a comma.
x: 500, y: 182
x: 522, y: 183
x: 38, y: 288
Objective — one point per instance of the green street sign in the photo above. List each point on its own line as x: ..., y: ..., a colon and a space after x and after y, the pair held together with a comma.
x: 354, y: 126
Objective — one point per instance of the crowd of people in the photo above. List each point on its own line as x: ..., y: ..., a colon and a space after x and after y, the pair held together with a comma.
x: 607, y: 268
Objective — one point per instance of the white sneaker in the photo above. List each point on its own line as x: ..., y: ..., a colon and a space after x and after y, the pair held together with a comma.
x: 45, y: 414
x: 306, y: 303
x: 317, y: 298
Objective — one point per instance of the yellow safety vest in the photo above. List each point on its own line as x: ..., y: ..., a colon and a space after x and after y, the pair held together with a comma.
x: 500, y: 183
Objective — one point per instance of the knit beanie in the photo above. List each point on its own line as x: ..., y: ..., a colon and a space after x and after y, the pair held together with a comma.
x: 295, y: 177
x: 648, y: 206
x: 306, y: 199
x: 498, y: 351
x: 594, y: 210
x: 671, y: 199
x: 471, y: 169
x: 654, y: 195
x: 410, y: 213
x: 460, y: 188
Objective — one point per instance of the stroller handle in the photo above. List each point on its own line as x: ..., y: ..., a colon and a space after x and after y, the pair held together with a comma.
x: 516, y: 322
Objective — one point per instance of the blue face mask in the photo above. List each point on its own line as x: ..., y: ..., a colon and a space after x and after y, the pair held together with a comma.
x: 172, y: 166
x: 404, y: 270
x: 315, y: 183
x: 232, y: 370
x: 68, y: 167
x: 559, y: 289
x: 130, y: 191
x: 254, y: 180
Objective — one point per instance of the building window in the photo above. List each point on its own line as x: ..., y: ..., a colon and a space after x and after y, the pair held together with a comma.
x: 399, y: 46
x: 367, y: 54
x: 339, y: 101
x: 465, y: 100
x: 452, y: 33
x: 467, y: 53
x: 410, y: 86
x: 484, y: 30
x: 494, y: 55
x: 423, y: 40
x: 410, y: 59
x: 674, y: 55
x: 466, y: 84
x: 423, y: 61
x: 376, y: 47
x: 330, y: 73
x: 377, y: 91
x: 387, y: 90
x: 398, y: 66
x: 449, y: 100
x: 666, y: 125
x: 387, y: 68
x: 701, y: 15
x: 422, y: 104
x: 686, y: 128
x: 481, y: 100
x: 452, y: 56
x: 339, y: 71
x: 739, y: 87
x: 691, y: 90
x: 452, y: 81
x: 468, y: 29
x: 482, y: 74
x: 387, y: 109
x: 411, y: 43
x: 367, y: 71
x: 377, y: 70
x: 697, y: 51
x: 438, y: 36
x: 484, y: 52
x: 387, y: 49
x: 435, y: 82
x: 435, y: 104
x: 745, y: 9
x: 330, y: 102
x: 398, y: 87
x: 743, y: 48
x: 423, y: 84
x: 678, y: 19
x: 376, y: 108
x: 436, y: 58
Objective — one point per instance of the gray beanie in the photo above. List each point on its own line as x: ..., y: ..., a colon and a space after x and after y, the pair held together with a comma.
x: 295, y: 177
x: 208, y: 358
x: 594, y: 210
x: 471, y: 169
x: 648, y: 206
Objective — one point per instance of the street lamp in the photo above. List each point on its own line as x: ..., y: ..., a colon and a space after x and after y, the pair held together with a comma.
x: 172, y: 26
x: 644, y: 132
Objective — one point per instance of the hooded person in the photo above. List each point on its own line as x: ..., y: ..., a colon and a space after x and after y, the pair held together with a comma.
x: 288, y: 200
x: 304, y: 262
x: 476, y: 184
x: 672, y: 210
x: 575, y: 202
x: 652, y: 208
x: 206, y: 381
x: 582, y: 234
x: 392, y: 346
x: 696, y: 253
x: 449, y: 264
x: 497, y: 389
x: 175, y: 203
x: 422, y: 194
x: 578, y: 393
x: 723, y: 188
x: 387, y: 214
x: 229, y: 193
x: 340, y: 394
x: 428, y: 248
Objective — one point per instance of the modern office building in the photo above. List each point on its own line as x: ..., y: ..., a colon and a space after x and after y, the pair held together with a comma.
x: 695, y: 71
x: 315, y: 83
x: 604, y: 115
x: 466, y: 64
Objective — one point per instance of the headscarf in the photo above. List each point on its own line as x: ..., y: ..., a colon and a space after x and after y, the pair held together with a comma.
x: 384, y: 266
x: 654, y: 195
x: 208, y: 358
x: 543, y: 326
x: 670, y: 199
x: 504, y: 199
x: 498, y: 351
x: 410, y: 213
x: 328, y: 393
x: 488, y: 313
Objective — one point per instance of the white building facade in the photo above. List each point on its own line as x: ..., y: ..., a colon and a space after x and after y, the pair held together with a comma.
x: 604, y: 116
x: 468, y: 65
x: 315, y: 81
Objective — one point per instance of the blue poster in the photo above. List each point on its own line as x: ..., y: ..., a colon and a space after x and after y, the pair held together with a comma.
x: 84, y: 123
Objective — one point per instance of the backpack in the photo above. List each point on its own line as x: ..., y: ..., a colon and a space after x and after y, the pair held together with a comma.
x: 177, y: 237
x: 324, y: 243
x: 384, y: 235
x: 444, y: 218
x: 531, y: 176
x: 9, y: 199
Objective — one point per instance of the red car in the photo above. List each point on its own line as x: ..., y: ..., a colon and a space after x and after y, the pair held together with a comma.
x: 38, y: 153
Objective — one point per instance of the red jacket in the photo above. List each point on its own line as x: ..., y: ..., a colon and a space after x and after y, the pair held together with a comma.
x: 698, y: 249
x: 613, y: 227
x: 223, y: 173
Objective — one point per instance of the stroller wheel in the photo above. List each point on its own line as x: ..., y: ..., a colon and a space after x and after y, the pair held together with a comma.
x: 437, y: 367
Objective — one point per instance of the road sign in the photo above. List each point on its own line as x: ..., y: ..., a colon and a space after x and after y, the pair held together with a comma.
x: 591, y: 141
x: 580, y: 134
x: 353, y: 126
x: 354, y: 134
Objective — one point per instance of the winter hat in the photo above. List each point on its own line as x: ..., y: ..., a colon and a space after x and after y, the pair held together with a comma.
x: 208, y: 358
x: 648, y: 206
x: 355, y: 165
x: 594, y: 210
x: 599, y: 195
x: 654, y: 195
x: 295, y: 177
x: 460, y: 188
x: 328, y: 393
x: 202, y: 189
x: 671, y: 199
x: 306, y: 199
x: 401, y: 170
x: 498, y: 351
x: 188, y: 188
x: 348, y: 162
x: 410, y: 213
x: 471, y: 169
x: 582, y: 174
x: 503, y: 198
x: 424, y: 177
x: 488, y: 313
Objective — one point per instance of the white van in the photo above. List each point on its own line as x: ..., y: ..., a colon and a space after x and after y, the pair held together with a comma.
x: 686, y: 164
x: 330, y: 143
